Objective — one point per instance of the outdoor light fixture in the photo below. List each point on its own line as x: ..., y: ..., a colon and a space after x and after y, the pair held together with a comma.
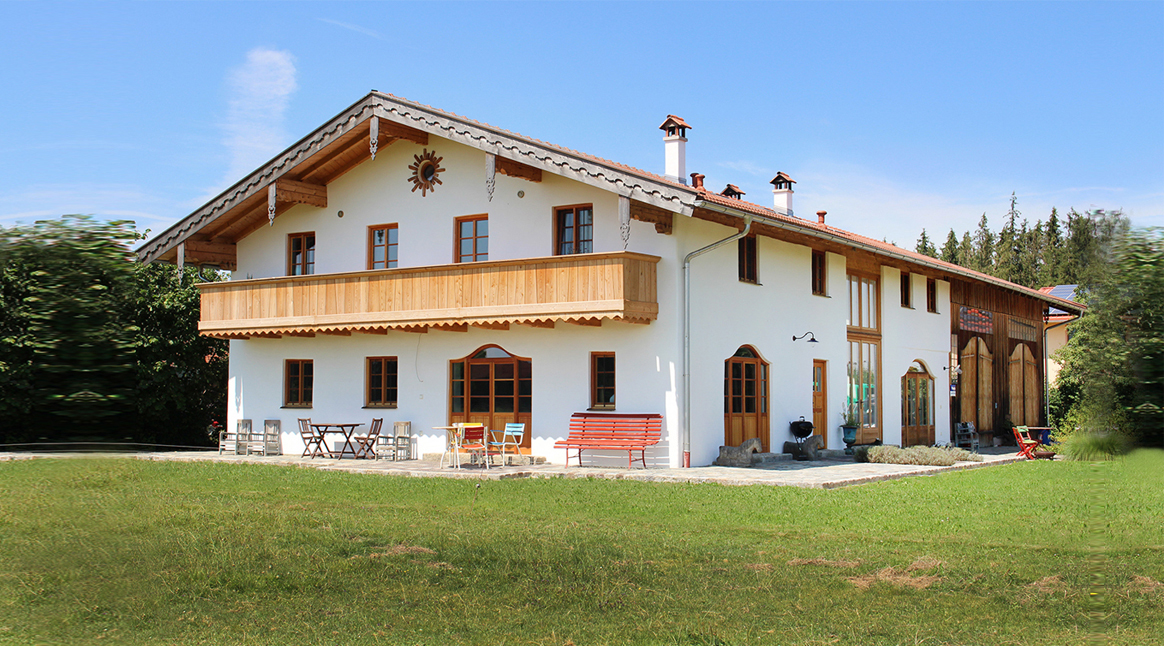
x: 810, y: 335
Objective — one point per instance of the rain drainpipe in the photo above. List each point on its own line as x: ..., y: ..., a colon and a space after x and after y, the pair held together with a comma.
x: 687, y: 333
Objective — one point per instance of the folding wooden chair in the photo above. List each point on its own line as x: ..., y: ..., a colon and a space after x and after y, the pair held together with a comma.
x: 1026, y: 445
x: 310, y: 439
x: 366, y: 444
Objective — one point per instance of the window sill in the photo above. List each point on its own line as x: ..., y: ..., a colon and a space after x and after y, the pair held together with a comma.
x: 599, y: 409
x: 389, y: 406
x: 301, y: 406
x: 751, y: 282
x: 821, y: 295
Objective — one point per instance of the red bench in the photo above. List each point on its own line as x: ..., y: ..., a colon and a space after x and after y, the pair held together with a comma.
x: 628, y: 432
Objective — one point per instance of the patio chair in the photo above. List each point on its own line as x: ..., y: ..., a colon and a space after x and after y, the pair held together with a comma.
x: 310, y: 439
x: 964, y: 433
x: 366, y: 444
x: 228, y: 441
x: 273, y: 436
x: 1026, y: 445
x: 475, y: 442
x: 400, y: 442
x: 511, y: 438
x: 453, y: 438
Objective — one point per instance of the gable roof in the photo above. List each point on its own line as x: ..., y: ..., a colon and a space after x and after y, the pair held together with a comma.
x: 344, y: 142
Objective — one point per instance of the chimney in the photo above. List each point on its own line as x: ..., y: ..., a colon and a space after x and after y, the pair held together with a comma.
x: 733, y: 192
x: 675, y: 148
x: 820, y: 216
x: 782, y: 193
x: 697, y: 180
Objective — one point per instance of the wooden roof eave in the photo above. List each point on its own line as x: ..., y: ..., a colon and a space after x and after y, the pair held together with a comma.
x: 837, y: 239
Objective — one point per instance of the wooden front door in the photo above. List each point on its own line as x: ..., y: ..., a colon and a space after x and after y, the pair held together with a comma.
x: 977, y: 386
x: 745, y: 398
x: 820, y: 401
x: 1024, y: 386
x: 917, y: 406
x: 492, y: 387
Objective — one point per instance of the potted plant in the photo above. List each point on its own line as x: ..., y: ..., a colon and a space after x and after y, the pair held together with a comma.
x: 850, y: 422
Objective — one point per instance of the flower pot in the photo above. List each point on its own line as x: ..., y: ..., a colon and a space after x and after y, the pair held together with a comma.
x: 1045, y: 455
x: 849, y: 435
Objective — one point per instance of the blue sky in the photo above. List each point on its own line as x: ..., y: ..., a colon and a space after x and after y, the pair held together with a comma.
x: 892, y: 117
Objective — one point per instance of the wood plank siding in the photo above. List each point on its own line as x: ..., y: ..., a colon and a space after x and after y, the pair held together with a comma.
x: 584, y: 288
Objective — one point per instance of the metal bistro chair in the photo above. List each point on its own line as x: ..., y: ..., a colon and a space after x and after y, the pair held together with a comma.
x: 511, y: 437
x: 474, y: 441
x: 366, y: 444
x: 310, y: 439
x: 454, y: 438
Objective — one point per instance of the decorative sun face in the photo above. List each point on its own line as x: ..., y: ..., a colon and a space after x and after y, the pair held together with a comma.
x: 425, y: 172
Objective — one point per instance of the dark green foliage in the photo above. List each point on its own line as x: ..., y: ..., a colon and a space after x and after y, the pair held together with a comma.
x: 925, y: 246
x: 85, y: 333
x: 949, y: 252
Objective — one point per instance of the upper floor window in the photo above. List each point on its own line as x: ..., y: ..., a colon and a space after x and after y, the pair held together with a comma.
x: 382, y: 241
x: 932, y: 295
x: 381, y: 382
x: 573, y: 229
x: 747, y: 254
x: 818, y: 273
x: 301, y: 254
x: 602, y: 380
x: 299, y: 382
x: 472, y: 238
x: 863, y: 302
x: 906, y: 296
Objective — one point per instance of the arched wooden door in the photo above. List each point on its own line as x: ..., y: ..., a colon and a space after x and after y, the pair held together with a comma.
x: 976, y: 384
x: 917, y: 406
x: 745, y: 398
x: 492, y: 387
x: 1024, y: 386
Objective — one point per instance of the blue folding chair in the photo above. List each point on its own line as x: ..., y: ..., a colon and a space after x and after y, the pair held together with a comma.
x: 511, y: 437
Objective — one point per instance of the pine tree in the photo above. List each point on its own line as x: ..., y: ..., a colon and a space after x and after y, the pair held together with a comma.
x: 1049, y: 273
x: 925, y: 246
x: 1006, y: 264
x: 949, y: 251
x: 966, y: 251
x: 983, y: 247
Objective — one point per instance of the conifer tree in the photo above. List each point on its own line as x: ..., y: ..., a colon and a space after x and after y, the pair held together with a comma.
x: 925, y: 246
x: 966, y: 251
x: 983, y: 247
x: 949, y: 252
x: 1006, y: 258
x: 1049, y: 272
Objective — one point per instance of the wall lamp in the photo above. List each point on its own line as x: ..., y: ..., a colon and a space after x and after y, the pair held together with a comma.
x: 810, y: 335
x: 957, y: 369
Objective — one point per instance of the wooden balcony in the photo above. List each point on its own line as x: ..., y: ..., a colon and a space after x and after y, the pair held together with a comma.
x: 581, y: 289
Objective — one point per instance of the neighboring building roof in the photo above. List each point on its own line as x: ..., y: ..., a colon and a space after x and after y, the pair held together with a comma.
x: 627, y: 181
x: 1064, y: 292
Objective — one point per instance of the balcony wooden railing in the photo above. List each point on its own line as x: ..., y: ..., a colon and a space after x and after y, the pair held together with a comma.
x: 582, y: 289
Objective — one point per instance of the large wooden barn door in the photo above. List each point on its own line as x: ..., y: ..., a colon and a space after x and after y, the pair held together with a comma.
x: 977, y: 384
x: 1023, y: 379
x: 745, y: 398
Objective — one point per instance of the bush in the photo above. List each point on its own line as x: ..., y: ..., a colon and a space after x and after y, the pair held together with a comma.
x: 861, y: 453
x: 921, y: 455
x: 1090, y: 446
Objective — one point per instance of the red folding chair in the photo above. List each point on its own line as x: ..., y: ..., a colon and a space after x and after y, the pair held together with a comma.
x: 1026, y: 446
x: 476, y: 442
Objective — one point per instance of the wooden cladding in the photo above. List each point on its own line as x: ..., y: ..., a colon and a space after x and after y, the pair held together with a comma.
x: 580, y: 289
x: 287, y: 190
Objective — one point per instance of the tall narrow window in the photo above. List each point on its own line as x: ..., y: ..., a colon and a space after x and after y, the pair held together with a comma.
x: 381, y: 382
x: 574, y: 229
x: 382, y: 241
x: 602, y: 380
x: 863, y: 303
x: 906, y: 296
x: 472, y: 238
x: 818, y: 273
x: 747, y: 254
x: 301, y: 254
x: 932, y: 295
x: 299, y: 381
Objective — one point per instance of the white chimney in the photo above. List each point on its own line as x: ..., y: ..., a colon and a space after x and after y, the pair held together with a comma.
x: 782, y: 193
x: 675, y: 147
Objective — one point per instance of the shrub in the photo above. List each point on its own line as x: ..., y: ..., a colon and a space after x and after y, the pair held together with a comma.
x: 861, y: 453
x: 1089, y: 445
x: 921, y: 455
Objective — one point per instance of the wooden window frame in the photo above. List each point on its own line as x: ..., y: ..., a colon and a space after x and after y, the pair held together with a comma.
x: 856, y: 316
x: 389, y: 246
x: 302, y: 402
x: 748, y: 256
x: 819, y: 273
x: 476, y: 255
x: 595, y: 400
x: 559, y: 230
x: 384, y: 402
x: 906, y: 290
x: 304, y: 265
x: 932, y: 295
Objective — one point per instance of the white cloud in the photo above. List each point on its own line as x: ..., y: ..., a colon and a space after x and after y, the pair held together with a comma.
x: 260, y: 91
x: 747, y: 167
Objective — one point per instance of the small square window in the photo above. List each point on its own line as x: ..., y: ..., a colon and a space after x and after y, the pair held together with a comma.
x: 381, y: 382
x: 573, y: 229
x: 301, y: 254
x: 382, y: 243
x: 299, y: 382
x: 472, y: 238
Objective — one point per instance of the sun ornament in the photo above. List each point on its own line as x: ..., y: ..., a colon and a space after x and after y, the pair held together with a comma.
x: 425, y: 172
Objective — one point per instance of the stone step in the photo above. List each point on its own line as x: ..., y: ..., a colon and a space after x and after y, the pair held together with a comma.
x: 767, y: 458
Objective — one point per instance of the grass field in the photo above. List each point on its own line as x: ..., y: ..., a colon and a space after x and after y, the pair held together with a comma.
x: 128, y: 551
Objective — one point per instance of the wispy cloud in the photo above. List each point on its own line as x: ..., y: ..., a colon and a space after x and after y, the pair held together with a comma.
x: 356, y: 28
x: 748, y: 167
x: 260, y: 91
x: 107, y: 201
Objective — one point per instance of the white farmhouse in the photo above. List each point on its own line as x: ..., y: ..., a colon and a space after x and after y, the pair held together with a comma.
x: 407, y: 263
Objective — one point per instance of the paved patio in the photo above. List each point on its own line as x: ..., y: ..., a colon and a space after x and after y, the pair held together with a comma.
x: 829, y: 473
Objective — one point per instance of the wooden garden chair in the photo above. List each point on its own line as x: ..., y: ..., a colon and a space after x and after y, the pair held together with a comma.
x: 310, y: 439
x: 366, y: 444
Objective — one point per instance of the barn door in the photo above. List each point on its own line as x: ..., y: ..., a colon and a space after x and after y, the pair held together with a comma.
x: 1023, y: 383
x: 745, y: 398
x: 977, y: 385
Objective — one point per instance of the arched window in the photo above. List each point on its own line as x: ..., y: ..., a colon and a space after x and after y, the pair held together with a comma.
x: 917, y: 406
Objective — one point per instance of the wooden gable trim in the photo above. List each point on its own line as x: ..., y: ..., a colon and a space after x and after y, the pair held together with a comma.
x: 518, y: 170
x: 663, y: 220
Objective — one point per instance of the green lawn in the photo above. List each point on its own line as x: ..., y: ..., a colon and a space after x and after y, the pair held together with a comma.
x: 129, y: 551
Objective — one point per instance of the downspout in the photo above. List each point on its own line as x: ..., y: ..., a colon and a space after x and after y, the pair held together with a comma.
x: 1046, y: 378
x: 687, y: 333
